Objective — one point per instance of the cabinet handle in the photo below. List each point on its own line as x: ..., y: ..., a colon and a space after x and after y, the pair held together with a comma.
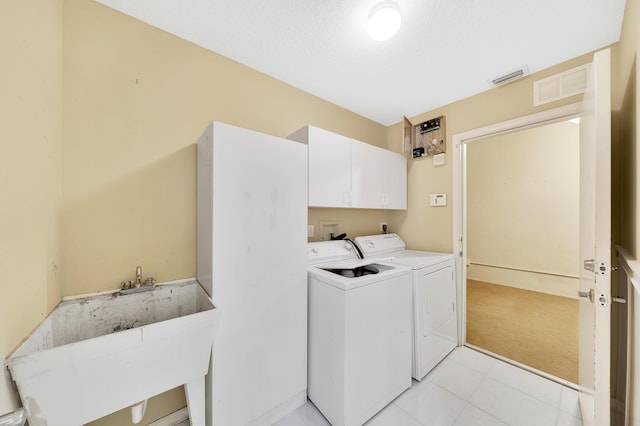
x: 384, y: 199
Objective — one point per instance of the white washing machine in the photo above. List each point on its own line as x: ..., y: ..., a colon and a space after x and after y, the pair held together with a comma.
x: 435, y: 323
x: 359, y: 357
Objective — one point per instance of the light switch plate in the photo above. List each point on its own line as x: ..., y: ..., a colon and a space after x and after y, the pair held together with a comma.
x: 439, y: 159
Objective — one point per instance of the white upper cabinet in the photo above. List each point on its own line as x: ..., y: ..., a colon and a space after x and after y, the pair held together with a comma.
x: 394, y: 181
x: 329, y: 167
x: 366, y: 175
x: 344, y: 172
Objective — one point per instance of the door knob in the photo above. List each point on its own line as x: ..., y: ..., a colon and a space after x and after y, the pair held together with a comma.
x: 587, y: 294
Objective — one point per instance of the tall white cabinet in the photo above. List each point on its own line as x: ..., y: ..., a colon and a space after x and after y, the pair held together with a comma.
x: 344, y: 172
x: 251, y: 259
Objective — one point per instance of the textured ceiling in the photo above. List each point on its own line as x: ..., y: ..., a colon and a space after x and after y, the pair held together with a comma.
x: 446, y: 50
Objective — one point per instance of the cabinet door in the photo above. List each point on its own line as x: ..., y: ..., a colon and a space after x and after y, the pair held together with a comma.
x: 329, y: 169
x: 366, y: 175
x: 394, y: 181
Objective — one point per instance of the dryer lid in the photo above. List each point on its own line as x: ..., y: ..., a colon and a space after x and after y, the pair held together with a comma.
x: 381, y: 244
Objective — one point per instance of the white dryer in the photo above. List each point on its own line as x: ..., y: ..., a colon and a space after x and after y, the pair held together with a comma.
x: 435, y: 323
x: 359, y: 332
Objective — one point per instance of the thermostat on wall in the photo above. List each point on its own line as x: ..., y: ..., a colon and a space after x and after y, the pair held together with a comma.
x: 438, y: 200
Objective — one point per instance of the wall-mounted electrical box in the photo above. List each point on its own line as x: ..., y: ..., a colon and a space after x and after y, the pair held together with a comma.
x: 424, y: 139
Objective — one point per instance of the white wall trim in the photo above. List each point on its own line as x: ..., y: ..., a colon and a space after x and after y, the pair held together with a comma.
x: 631, y: 266
x: 631, y: 269
x: 459, y: 188
x: 173, y: 419
x: 551, y: 284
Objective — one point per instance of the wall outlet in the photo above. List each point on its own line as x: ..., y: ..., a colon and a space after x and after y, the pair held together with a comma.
x: 310, y: 231
x: 383, y: 226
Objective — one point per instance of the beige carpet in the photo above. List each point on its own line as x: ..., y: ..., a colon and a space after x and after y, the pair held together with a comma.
x: 535, y: 329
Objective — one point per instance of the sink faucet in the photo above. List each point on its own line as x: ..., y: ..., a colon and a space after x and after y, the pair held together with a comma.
x: 128, y: 287
x: 138, y: 276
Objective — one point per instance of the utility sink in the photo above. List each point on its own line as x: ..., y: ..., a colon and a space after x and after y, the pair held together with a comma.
x: 101, y: 353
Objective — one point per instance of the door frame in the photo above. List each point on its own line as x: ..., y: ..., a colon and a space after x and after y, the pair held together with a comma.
x: 459, y: 191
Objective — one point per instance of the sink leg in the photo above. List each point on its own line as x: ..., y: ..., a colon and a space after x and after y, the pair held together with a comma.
x: 194, y: 391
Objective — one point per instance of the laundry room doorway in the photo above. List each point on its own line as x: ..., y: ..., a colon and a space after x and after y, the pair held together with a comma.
x: 516, y: 226
x: 522, y: 235
x: 594, y: 221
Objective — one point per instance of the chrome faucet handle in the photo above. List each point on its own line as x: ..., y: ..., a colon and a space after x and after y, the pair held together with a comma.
x: 136, y: 286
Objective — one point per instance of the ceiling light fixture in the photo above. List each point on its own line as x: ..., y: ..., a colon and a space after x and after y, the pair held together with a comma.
x: 384, y: 21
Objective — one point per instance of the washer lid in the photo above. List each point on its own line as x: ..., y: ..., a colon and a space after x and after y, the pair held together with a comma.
x: 329, y: 251
x: 326, y: 273
x: 377, y: 245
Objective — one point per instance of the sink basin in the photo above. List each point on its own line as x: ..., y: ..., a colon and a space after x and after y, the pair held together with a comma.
x: 101, y: 353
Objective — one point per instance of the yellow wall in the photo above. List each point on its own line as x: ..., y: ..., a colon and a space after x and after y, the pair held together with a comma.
x: 431, y: 228
x: 135, y: 101
x: 523, y: 209
x: 353, y: 222
x: 30, y: 165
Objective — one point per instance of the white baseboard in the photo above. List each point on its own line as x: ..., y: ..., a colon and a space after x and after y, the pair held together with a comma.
x: 553, y: 284
x: 173, y: 418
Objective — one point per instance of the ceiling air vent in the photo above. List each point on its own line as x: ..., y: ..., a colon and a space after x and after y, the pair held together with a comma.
x: 508, y: 78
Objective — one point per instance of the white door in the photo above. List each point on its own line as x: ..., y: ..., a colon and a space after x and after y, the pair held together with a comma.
x: 595, y: 243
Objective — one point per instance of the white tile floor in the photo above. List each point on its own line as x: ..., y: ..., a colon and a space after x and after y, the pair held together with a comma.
x: 470, y: 388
